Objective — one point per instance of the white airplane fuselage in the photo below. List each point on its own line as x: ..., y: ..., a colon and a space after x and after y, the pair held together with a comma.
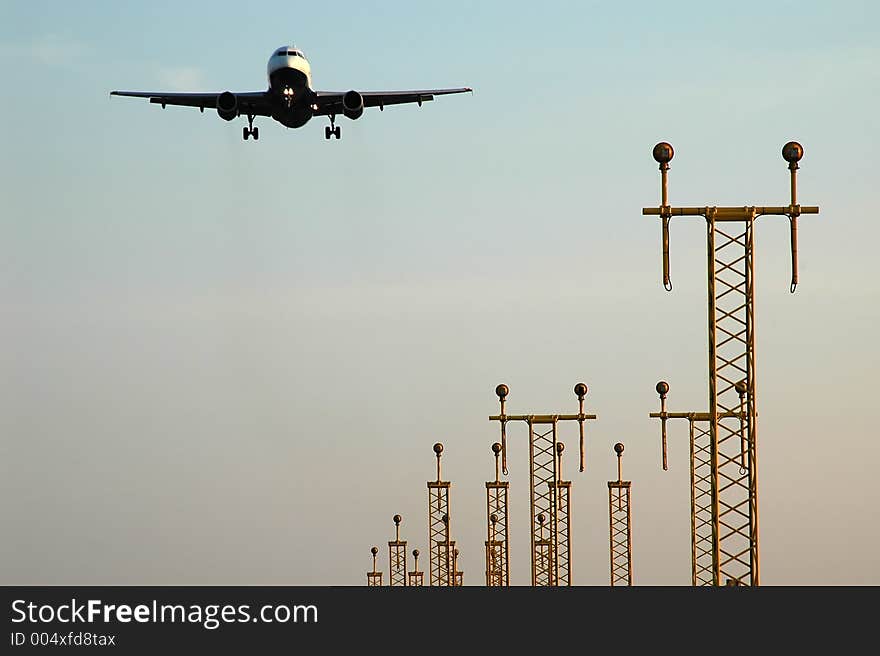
x: 290, y: 84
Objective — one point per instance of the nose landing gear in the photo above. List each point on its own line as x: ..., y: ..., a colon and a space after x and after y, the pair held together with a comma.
x: 250, y: 130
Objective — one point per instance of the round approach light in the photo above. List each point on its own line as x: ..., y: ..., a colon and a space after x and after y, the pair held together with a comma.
x: 663, y: 152
x: 792, y: 152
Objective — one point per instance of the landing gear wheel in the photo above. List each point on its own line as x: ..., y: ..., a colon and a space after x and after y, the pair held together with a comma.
x: 250, y: 130
x: 332, y: 129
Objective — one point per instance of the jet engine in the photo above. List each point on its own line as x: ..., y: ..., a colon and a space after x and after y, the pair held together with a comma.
x: 227, y: 106
x: 352, y: 104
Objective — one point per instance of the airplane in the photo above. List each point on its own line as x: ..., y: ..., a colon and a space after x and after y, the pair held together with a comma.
x: 290, y: 98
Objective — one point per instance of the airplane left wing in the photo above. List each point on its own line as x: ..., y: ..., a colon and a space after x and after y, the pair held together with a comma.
x: 330, y: 102
x: 251, y: 102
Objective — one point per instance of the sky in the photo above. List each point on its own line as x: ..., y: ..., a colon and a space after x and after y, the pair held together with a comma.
x: 227, y: 361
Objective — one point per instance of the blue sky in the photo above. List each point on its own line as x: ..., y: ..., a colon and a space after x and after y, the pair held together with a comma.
x: 227, y: 361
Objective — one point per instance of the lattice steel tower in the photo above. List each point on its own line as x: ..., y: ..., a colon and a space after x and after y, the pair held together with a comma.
x: 731, y: 294
x: 374, y: 578
x: 397, y: 557
x: 440, y: 566
x: 497, y: 543
x: 543, y: 474
x: 620, y: 521
x: 702, y: 523
x: 416, y: 576
x: 562, y: 523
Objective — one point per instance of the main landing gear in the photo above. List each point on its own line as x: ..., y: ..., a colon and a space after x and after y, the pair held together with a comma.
x: 333, y: 129
x: 250, y: 130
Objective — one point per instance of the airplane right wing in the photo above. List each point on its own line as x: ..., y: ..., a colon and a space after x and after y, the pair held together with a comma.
x: 251, y: 102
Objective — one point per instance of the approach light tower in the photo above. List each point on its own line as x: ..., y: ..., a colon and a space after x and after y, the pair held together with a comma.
x: 441, y: 555
x: 562, y: 522
x: 702, y: 524
x: 374, y: 578
x: 544, y: 497
x: 620, y: 521
x: 497, y: 528
x: 416, y: 576
x: 397, y: 556
x: 731, y: 295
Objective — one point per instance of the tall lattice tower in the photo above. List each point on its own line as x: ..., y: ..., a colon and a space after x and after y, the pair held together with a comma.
x: 416, y: 576
x: 701, y: 478
x: 621, y: 526
x: 397, y: 557
x: 440, y: 565
x: 374, y: 578
x: 562, y: 524
x: 544, y: 498
x: 497, y: 544
x: 730, y: 239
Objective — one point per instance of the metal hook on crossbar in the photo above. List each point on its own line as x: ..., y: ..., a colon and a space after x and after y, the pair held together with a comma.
x: 794, y: 260
x: 667, y: 282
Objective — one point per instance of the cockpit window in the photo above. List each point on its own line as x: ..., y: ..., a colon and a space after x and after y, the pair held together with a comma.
x: 283, y: 52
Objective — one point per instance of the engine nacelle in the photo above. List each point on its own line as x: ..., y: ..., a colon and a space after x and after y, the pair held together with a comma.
x: 227, y: 106
x: 352, y: 104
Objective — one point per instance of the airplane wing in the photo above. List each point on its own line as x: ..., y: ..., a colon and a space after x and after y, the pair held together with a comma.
x: 330, y: 102
x: 252, y: 102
